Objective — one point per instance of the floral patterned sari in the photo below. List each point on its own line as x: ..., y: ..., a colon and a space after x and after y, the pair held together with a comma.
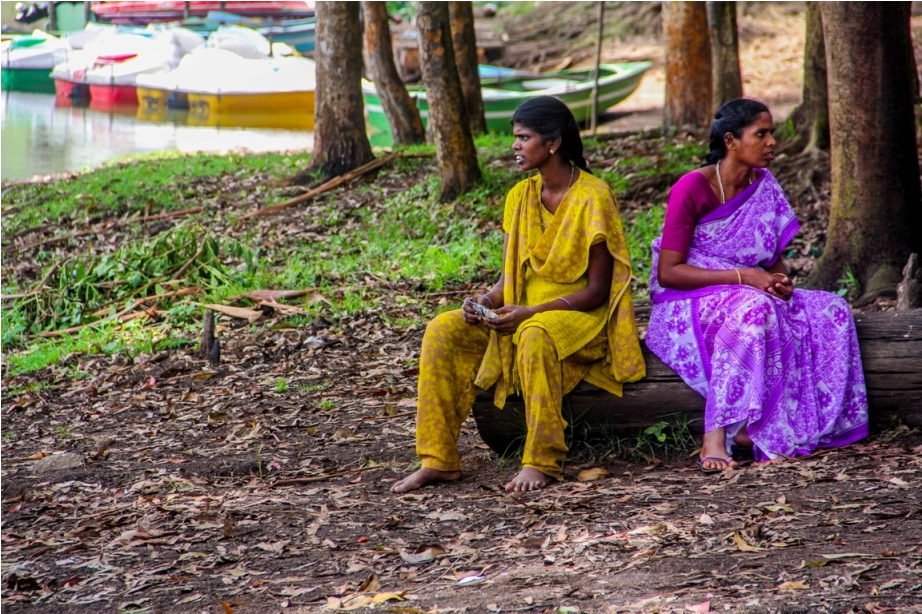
x: 790, y: 369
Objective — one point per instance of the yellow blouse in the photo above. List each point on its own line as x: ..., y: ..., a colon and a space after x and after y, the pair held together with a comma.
x: 544, y: 264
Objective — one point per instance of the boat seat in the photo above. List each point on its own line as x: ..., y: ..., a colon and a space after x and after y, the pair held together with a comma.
x: 545, y: 84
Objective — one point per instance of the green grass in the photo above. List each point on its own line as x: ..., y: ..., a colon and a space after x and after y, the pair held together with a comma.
x: 403, y: 235
x: 156, y: 183
x: 640, y: 228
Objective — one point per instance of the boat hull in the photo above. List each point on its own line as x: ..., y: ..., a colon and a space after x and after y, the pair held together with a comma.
x: 301, y: 102
x: 502, y: 96
x: 37, y: 80
x: 114, y: 94
x: 77, y: 90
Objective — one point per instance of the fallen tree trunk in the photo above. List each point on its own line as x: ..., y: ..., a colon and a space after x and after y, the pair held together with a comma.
x: 891, y: 352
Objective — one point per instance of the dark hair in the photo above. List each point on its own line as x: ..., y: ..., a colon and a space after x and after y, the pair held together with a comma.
x: 551, y: 118
x: 732, y: 117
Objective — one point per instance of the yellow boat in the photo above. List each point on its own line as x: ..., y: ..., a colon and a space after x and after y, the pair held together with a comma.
x: 152, y: 98
x: 219, y: 81
x: 247, y: 102
x: 285, y: 120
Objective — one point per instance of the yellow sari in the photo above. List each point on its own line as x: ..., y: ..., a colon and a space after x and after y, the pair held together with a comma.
x: 544, y: 264
x: 547, y: 257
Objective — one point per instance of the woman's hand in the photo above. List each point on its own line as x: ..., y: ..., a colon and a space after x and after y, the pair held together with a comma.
x: 776, y: 284
x: 782, y: 286
x: 510, y: 317
x: 470, y: 315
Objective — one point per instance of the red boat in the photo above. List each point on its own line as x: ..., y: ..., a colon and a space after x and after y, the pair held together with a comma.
x: 142, y: 13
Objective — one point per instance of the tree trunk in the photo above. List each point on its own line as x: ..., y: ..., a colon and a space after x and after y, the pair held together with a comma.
x: 400, y: 108
x: 810, y: 120
x: 448, y: 121
x: 876, y: 209
x: 464, y: 41
x: 725, y: 53
x: 688, y: 65
x: 340, y: 141
x: 890, y: 357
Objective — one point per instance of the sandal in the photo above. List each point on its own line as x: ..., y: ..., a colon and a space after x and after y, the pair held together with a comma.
x: 713, y: 458
x: 742, y: 453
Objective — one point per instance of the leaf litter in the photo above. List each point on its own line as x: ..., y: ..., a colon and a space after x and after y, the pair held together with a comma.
x: 263, y: 484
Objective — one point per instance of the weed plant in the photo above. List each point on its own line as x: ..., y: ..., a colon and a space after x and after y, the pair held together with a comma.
x: 401, y: 235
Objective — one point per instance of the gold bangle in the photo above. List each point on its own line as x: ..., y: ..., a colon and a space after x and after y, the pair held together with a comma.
x: 739, y: 278
x: 779, y: 275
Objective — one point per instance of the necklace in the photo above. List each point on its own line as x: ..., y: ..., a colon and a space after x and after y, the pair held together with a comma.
x: 569, y: 184
x: 720, y: 182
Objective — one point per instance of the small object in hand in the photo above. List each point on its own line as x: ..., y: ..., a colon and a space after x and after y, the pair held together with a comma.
x: 484, y: 312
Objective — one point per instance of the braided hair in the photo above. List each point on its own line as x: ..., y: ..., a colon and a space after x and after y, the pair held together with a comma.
x: 733, y: 117
x: 551, y: 118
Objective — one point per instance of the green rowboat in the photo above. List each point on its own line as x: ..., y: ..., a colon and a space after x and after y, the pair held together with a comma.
x: 501, y: 95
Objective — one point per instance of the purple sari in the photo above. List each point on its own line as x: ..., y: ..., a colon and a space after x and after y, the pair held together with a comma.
x: 791, y: 369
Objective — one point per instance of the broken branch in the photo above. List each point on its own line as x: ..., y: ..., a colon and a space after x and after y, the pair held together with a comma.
x: 326, y: 187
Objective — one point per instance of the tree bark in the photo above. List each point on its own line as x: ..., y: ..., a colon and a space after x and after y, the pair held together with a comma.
x: 810, y: 120
x: 688, y: 65
x: 340, y: 141
x: 876, y: 209
x: 725, y: 53
x: 399, y: 107
x: 464, y: 42
x: 890, y: 357
x: 448, y: 120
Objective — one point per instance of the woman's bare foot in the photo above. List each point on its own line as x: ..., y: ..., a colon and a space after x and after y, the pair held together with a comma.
x: 528, y: 479
x: 424, y: 477
x: 714, y: 451
x: 742, y: 438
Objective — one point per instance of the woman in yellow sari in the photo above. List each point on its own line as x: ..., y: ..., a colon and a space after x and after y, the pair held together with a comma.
x: 560, y: 312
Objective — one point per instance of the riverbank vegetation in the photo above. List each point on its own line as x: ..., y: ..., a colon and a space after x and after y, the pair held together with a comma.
x: 151, y: 239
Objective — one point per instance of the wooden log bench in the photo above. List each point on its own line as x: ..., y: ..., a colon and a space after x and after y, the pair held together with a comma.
x: 891, y: 352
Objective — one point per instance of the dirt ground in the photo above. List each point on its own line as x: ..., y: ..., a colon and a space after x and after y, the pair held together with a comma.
x: 210, y: 491
x: 771, y: 62
x: 217, y: 491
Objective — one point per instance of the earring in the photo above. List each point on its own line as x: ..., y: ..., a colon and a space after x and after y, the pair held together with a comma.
x: 552, y: 151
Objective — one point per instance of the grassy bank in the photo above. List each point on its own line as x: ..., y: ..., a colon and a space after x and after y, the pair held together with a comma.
x: 153, y: 238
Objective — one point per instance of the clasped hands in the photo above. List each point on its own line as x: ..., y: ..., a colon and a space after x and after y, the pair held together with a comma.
x: 510, y: 316
x: 776, y: 284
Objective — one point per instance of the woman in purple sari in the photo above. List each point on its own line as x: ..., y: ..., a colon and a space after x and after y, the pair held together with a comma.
x: 779, y: 368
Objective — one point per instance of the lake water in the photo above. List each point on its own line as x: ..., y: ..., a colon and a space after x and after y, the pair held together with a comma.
x: 42, y: 134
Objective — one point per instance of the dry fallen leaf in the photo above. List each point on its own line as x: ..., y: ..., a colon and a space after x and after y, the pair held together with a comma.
x: 343, y: 434
x: 273, y: 295
x: 276, y: 547
x: 891, y: 584
x: 593, y: 474
x: 649, y: 530
x: 250, y: 315
x: 382, y: 597
x: 792, y: 586
x: 742, y: 545
x: 423, y: 554
x: 370, y: 585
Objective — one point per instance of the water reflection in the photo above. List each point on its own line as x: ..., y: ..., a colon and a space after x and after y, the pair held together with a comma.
x: 42, y: 134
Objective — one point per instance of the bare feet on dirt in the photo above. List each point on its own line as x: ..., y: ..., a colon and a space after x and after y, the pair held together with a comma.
x: 528, y: 479
x: 424, y: 477
x: 714, y: 450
